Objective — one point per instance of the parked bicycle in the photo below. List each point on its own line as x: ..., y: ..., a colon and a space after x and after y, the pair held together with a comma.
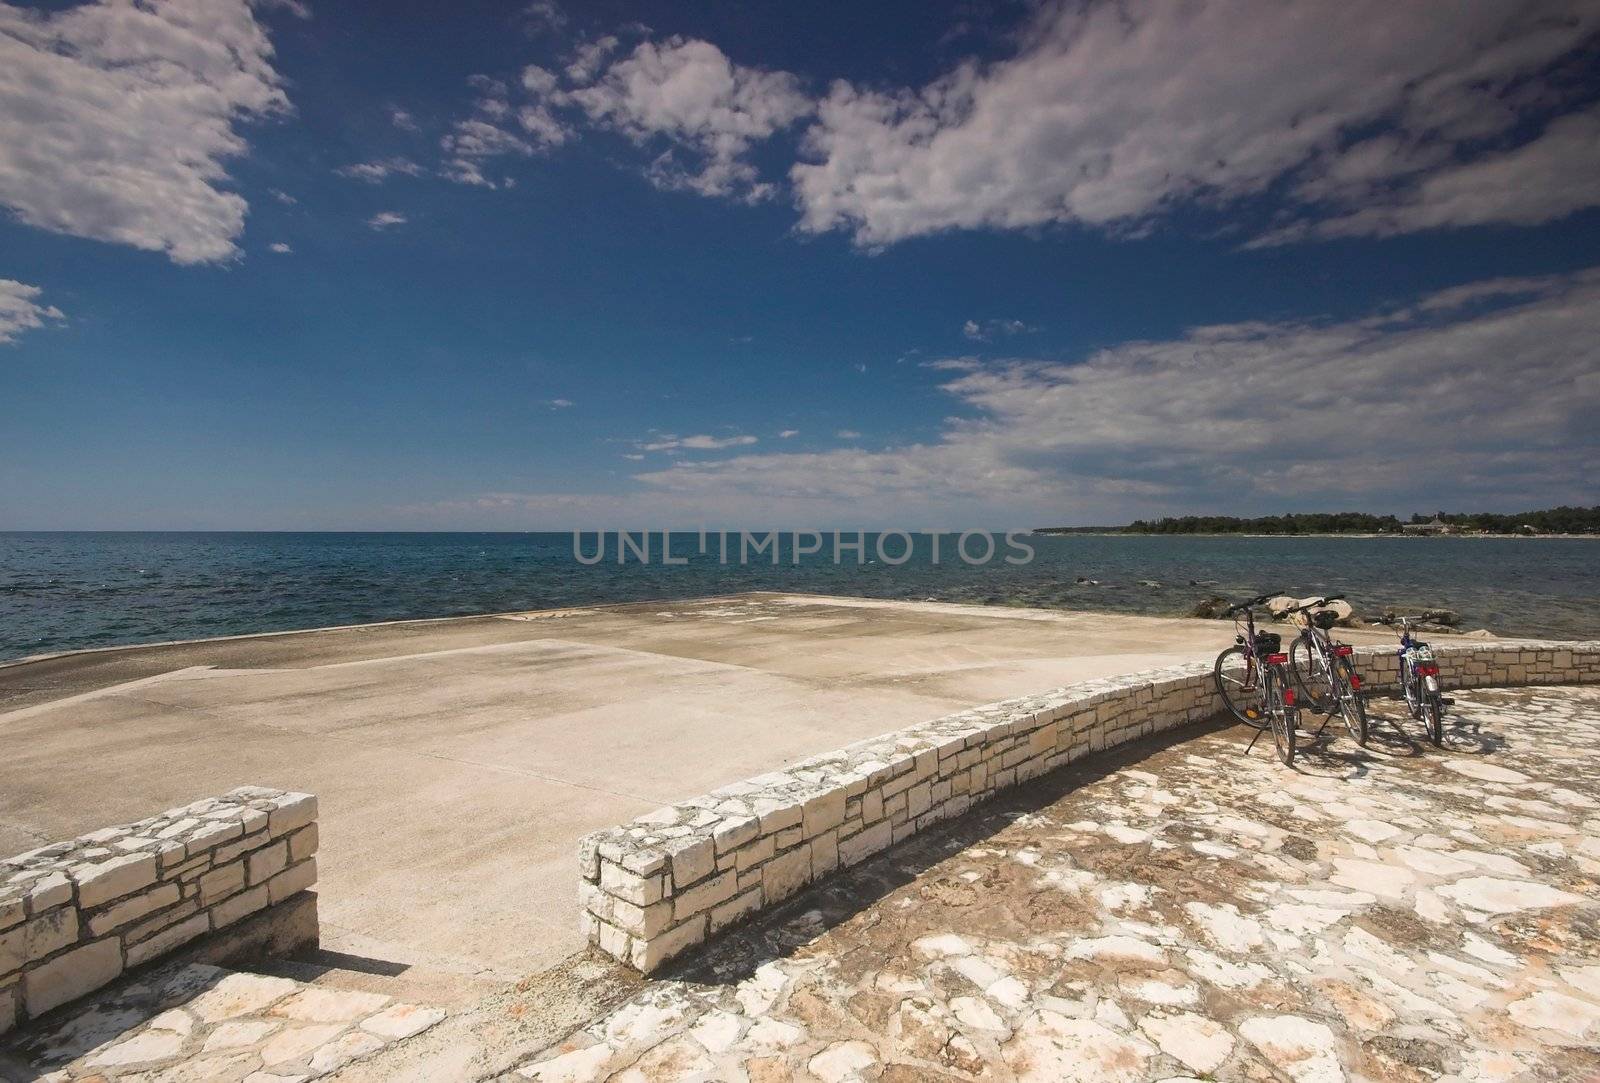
x: 1323, y: 667
x: 1252, y: 678
x: 1419, y: 679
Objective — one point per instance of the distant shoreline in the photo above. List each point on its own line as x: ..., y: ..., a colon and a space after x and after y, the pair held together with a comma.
x: 1058, y: 533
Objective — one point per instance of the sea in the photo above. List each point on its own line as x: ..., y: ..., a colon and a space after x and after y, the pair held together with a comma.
x: 71, y: 591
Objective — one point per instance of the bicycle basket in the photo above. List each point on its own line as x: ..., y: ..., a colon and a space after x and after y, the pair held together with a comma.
x: 1325, y: 618
x: 1268, y: 642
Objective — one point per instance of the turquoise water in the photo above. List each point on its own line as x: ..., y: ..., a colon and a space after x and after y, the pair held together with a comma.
x: 63, y: 591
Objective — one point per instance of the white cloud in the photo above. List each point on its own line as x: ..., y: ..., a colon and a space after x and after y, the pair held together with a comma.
x: 387, y: 219
x: 380, y: 170
x: 848, y: 434
x: 560, y: 404
x: 1445, y: 402
x: 21, y: 311
x: 1493, y: 289
x: 472, y: 142
x: 537, y: 116
x: 293, y: 7
x: 1540, y: 181
x: 280, y: 248
x: 693, y: 109
x: 544, y: 15
x: 701, y: 442
x: 1379, y: 118
x: 403, y: 120
x: 706, y: 109
x: 498, y: 129
x: 282, y: 197
x: 116, y: 118
x: 988, y: 329
x: 788, y: 433
x: 588, y: 58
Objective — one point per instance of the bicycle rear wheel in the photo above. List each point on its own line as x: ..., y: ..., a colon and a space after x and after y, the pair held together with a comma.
x: 1310, y: 669
x: 1239, y: 684
x: 1433, y: 714
x: 1351, y: 705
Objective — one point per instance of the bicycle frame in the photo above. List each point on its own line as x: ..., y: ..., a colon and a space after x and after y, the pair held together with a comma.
x: 1330, y: 652
x: 1252, y: 660
x: 1272, y: 670
x: 1418, y: 675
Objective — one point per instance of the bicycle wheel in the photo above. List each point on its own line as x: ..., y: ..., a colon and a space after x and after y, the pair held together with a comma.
x: 1410, y: 684
x: 1284, y: 719
x: 1433, y: 714
x: 1310, y: 669
x: 1351, y: 705
x: 1239, y: 684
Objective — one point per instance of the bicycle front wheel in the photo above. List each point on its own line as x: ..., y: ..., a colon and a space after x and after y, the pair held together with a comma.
x: 1239, y: 684
x: 1311, y: 675
x: 1351, y: 705
x: 1284, y: 719
x: 1411, y: 685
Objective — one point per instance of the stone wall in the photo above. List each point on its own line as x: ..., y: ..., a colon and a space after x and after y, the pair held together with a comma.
x: 75, y: 915
x: 658, y: 886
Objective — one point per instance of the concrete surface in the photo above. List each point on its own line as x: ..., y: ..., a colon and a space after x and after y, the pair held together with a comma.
x: 1179, y: 911
x: 457, y: 762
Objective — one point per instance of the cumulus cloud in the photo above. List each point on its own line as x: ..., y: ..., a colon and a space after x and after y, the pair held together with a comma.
x: 988, y: 329
x: 543, y: 16
x: 706, y: 109
x: 280, y: 248
x: 499, y: 129
x: 787, y: 433
x: 1480, y: 395
x: 21, y: 311
x: 387, y: 220
x: 588, y: 58
x: 381, y: 169
x: 1374, y: 117
x: 701, y: 442
x: 116, y: 119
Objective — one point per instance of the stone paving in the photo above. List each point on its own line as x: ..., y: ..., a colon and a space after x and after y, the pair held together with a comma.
x: 1185, y: 911
x: 203, y: 1024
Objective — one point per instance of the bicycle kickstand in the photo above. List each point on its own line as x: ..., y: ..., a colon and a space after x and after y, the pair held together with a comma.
x: 1253, y: 741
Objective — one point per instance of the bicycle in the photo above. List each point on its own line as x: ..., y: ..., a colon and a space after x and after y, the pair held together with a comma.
x: 1253, y: 681
x: 1323, y: 668
x: 1419, y: 679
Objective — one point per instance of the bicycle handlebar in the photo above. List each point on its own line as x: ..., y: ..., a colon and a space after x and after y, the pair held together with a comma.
x: 1261, y: 599
x: 1319, y: 603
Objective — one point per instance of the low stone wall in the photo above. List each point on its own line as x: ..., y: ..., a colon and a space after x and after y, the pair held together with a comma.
x: 75, y: 915
x: 658, y: 886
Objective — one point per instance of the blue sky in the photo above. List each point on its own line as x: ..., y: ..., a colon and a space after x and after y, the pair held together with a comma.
x: 288, y: 266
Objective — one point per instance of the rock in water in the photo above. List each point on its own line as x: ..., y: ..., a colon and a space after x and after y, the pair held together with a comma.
x: 1210, y: 609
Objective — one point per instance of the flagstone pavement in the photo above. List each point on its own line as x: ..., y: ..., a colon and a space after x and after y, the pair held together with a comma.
x: 1402, y: 913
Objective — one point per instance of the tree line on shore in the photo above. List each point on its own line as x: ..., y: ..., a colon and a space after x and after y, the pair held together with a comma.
x: 1560, y: 520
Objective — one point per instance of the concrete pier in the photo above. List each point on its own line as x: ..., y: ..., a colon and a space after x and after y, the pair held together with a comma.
x: 489, y: 745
